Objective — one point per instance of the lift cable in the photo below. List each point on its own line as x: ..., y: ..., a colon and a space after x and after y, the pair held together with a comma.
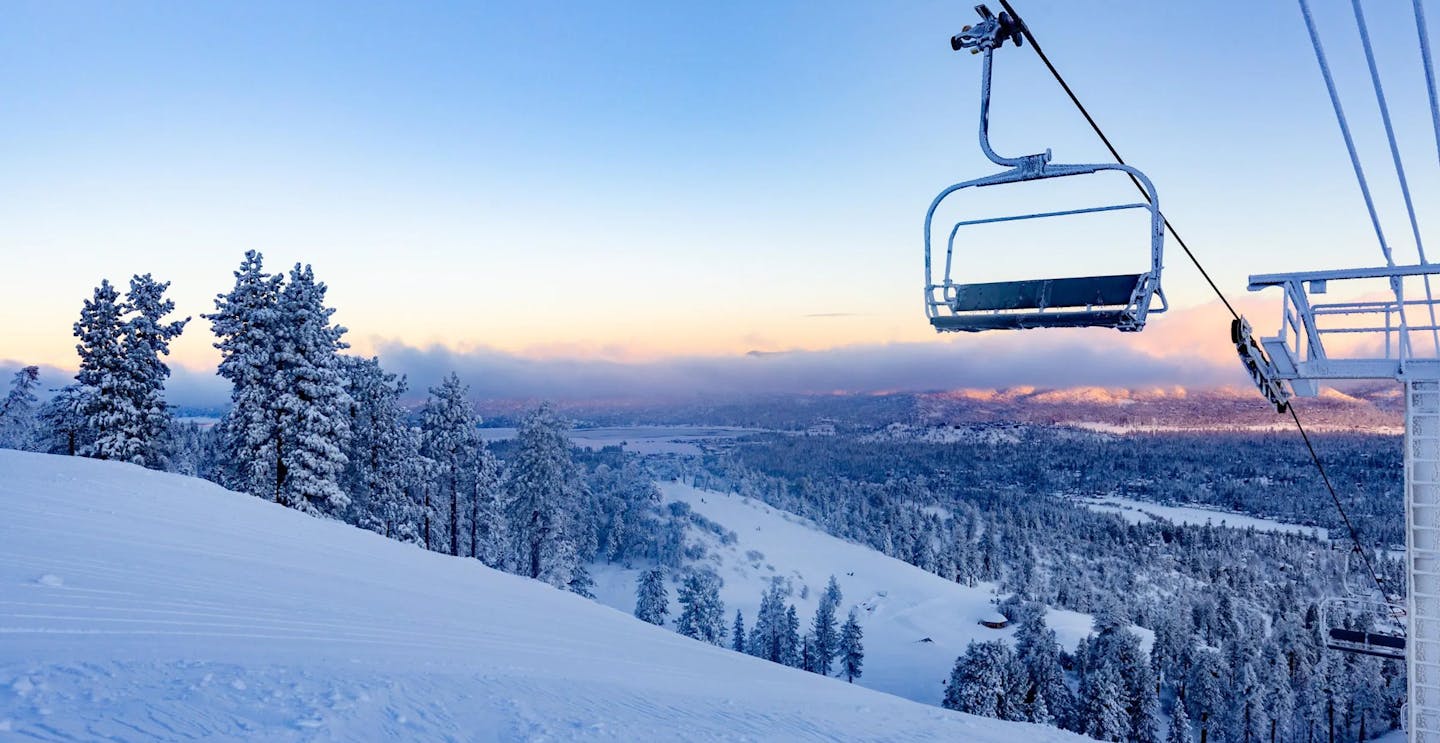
x: 1314, y: 455
x: 1395, y: 154
x: 1429, y: 64
x: 1024, y: 29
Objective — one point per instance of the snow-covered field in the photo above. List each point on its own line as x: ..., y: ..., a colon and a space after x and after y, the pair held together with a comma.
x: 138, y: 606
x: 639, y: 439
x: 1140, y: 512
x: 901, y: 606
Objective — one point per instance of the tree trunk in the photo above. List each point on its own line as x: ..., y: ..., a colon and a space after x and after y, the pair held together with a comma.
x: 454, y: 515
x: 426, y: 490
x: 474, y: 520
x: 279, y: 468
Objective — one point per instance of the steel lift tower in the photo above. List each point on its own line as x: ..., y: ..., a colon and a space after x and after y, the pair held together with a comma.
x: 1384, y: 329
x: 1373, y: 339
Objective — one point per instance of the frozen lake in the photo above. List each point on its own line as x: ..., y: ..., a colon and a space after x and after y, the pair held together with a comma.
x: 1139, y: 512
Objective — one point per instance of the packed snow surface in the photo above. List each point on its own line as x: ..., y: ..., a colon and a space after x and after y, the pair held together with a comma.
x: 137, y: 605
x: 1140, y: 512
x: 916, y: 623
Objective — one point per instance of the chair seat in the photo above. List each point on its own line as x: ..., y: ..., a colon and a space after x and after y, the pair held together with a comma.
x: 1039, y: 294
x: 1124, y: 319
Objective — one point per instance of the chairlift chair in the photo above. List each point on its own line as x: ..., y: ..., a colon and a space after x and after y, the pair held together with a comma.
x: 1385, y: 639
x: 1120, y: 301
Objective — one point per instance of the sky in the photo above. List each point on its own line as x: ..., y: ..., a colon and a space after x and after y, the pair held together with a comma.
x: 581, y: 198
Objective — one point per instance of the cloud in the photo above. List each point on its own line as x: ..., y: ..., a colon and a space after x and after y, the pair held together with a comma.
x: 942, y: 365
x: 1189, y: 348
x: 190, y: 388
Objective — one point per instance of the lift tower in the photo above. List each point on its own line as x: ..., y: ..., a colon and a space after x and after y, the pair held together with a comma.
x: 1372, y: 339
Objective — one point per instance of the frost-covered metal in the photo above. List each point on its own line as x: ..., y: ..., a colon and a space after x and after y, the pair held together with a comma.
x: 1369, y: 336
x: 1120, y: 301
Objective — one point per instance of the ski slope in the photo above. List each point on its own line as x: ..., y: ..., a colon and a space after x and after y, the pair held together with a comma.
x: 138, y: 606
x: 899, y: 605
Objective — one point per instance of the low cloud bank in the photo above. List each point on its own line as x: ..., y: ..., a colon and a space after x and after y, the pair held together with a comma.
x: 1198, y: 356
x: 971, y: 363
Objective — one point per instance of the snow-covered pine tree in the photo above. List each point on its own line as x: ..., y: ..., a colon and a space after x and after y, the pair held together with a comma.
x: 825, y: 628
x: 851, y: 648
x: 985, y: 681
x: 737, y: 633
x: 145, y: 339
x: 768, y: 636
x: 108, y: 409
x: 1038, y: 653
x: 702, y: 613
x: 1279, y: 702
x: 544, y: 488
x: 247, y: 326
x: 1180, y: 725
x: 1103, y: 716
x: 1205, y: 692
x: 452, y: 443
x: 18, y: 425
x: 63, y: 429
x: 790, y: 639
x: 652, y: 600
x: 488, y: 535
x: 310, y: 399
x: 381, y: 455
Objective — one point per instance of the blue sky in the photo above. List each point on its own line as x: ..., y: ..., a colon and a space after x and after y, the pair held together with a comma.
x: 643, y: 181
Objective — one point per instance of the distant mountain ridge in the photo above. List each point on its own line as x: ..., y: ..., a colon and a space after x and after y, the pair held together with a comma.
x: 1373, y: 408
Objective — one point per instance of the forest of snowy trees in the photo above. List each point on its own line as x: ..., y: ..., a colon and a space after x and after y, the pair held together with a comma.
x: 312, y: 428
x: 1238, y: 654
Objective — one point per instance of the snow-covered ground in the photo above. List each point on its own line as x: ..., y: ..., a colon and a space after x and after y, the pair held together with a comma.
x: 1139, y: 512
x: 639, y: 439
x: 138, y: 606
x: 901, y: 606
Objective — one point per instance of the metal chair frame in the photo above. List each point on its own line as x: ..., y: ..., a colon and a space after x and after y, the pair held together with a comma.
x: 1089, y: 301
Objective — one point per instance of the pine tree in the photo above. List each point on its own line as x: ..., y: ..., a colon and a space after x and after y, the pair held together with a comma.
x: 310, y: 399
x: 103, y: 377
x: 985, y: 681
x: 247, y: 326
x: 1047, y: 697
x: 145, y: 338
x: 488, y: 535
x: 18, y: 412
x: 770, y: 638
x: 852, y: 650
x: 652, y: 600
x: 737, y: 633
x: 381, y: 457
x: 1180, y: 725
x: 824, y: 629
x: 1104, y: 716
x: 452, y: 443
x: 63, y: 428
x: 790, y: 649
x: 1205, y: 692
x: 702, y: 613
x: 807, y: 653
x: 544, y: 489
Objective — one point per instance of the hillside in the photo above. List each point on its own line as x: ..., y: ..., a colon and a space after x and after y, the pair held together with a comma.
x: 916, y: 623
x: 138, y: 605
